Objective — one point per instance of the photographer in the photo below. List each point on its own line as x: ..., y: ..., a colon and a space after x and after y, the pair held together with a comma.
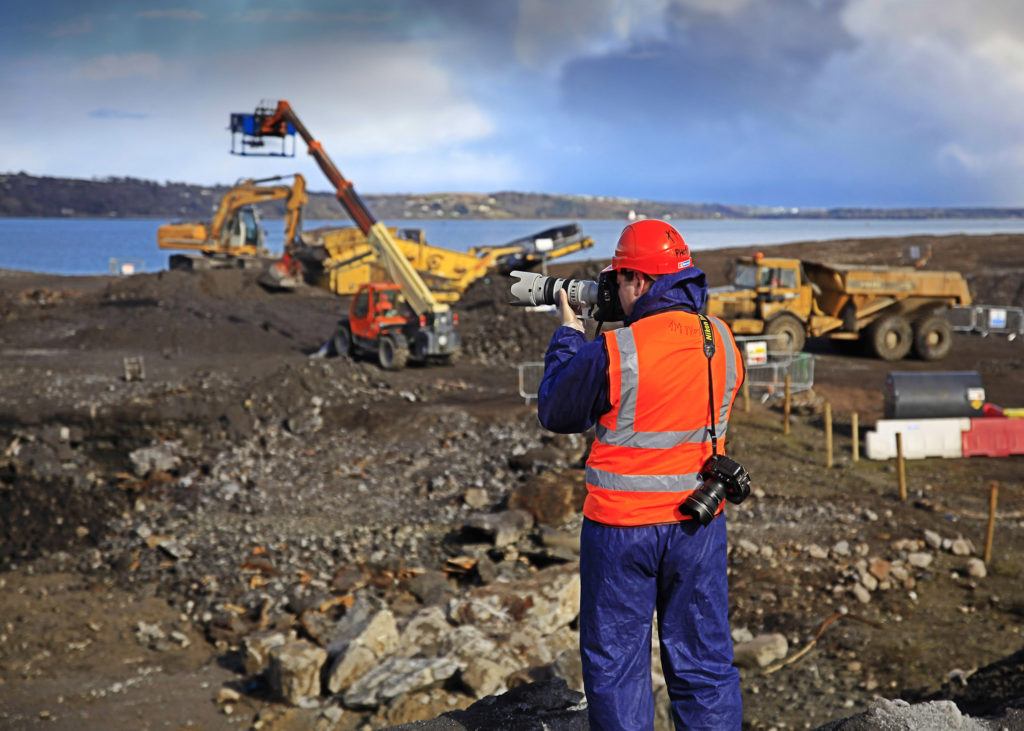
x: 646, y: 388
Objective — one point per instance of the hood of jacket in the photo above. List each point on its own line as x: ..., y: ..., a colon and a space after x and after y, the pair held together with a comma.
x: 687, y: 289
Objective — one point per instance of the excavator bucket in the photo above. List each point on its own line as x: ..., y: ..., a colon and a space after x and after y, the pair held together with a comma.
x: 285, y: 273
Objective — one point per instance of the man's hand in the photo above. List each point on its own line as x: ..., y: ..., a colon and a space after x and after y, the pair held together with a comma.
x: 569, y: 316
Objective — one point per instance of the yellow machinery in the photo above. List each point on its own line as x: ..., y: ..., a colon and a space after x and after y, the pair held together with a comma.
x: 234, y: 236
x: 427, y: 330
x: 350, y: 260
x: 343, y: 260
x: 891, y: 310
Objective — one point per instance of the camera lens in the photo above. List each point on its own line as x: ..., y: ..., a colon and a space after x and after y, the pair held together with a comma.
x: 703, y: 503
x: 536, y: 289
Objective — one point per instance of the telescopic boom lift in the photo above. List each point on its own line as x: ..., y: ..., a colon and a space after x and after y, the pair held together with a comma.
x: 431, y: 333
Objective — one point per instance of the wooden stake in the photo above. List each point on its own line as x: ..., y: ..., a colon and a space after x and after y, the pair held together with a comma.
x: 855, y: 431
x: 899, y: 466
x: 993, y: 495
x: 746, y: 396
x: 785, y: 408
x: 828, y: 434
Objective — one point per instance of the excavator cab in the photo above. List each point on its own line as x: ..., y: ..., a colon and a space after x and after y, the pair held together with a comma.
x: 246, y: 231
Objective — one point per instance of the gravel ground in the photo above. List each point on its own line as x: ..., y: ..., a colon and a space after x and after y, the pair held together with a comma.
x: 149, y: 527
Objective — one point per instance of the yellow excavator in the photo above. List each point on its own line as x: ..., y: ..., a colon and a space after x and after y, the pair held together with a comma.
x: 234, y: 237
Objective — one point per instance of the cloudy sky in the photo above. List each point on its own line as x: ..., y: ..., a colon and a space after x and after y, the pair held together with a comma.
x: 768, y: 102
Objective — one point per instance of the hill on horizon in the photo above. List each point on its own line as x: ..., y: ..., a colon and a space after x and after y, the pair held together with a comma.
x: 29, y: 196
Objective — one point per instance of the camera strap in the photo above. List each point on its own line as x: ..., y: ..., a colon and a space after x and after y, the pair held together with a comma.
x: 709, y: 351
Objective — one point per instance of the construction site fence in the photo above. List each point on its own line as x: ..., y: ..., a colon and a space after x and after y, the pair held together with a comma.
x: 987, y: 320
x: 530, y: 375
x: 768, y: 364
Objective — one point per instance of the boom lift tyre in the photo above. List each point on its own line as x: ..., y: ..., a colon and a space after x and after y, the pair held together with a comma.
x: 343, y: 340
x: 933, y: 337
x: 391, y: 355
x: 891, y: 337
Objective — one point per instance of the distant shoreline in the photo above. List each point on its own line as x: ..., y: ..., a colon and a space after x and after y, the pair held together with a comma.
x: 984, y: 214
x: 28, y: 196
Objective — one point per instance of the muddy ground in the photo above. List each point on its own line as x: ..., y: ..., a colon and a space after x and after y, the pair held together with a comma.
x: 328, y: 464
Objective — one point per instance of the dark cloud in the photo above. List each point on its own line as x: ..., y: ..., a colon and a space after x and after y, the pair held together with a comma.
x: 711, y: 65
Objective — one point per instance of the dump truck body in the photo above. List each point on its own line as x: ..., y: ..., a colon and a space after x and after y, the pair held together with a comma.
x: 890, y: 309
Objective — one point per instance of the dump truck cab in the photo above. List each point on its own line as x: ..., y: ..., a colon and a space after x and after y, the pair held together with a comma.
x: 768, y: 295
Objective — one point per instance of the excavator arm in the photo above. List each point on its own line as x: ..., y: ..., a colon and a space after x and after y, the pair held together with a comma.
x: 250, y: 192
x: 214, y: 240
x: 279, y: 121
x: 294, y: 207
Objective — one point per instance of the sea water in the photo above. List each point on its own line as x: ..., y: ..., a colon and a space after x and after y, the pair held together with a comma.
x: 100, y: 246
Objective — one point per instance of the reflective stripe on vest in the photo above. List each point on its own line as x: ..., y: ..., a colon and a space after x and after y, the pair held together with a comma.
x: 641, y: 483
x: 625, y: 436
x: 639, y: 476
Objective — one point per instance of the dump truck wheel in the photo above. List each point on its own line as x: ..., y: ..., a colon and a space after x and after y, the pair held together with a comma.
x: 891, y: 337
x: 790, y: 335
x: 391, y: 356
x: 343, y: 341
x: 933, y: 337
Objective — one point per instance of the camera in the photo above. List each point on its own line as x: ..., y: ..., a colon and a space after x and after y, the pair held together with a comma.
x: 722, y: 478
x: 532, y: 289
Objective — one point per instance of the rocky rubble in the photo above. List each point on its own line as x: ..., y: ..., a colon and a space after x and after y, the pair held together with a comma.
x: 409, y: 607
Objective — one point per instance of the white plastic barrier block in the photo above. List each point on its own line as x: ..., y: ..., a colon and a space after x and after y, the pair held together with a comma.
x: 921, y: 438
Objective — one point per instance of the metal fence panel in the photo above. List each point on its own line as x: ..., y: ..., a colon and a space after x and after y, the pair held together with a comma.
x: 987, y: 320
x: 770, y: 378
x: 530, y: 375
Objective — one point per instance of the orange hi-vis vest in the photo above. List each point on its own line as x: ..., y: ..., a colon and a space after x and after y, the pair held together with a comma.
x: 652, y: 443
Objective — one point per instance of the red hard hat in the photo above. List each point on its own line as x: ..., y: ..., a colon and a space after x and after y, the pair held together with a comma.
x: 651, y: 247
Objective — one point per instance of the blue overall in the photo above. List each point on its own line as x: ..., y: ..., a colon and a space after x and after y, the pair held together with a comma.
x: 628, y: 574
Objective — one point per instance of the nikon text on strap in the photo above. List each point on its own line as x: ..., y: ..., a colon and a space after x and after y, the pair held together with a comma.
x: 709, y: 350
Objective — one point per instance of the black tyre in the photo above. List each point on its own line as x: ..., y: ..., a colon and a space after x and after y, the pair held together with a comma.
x: 933, y: 337
x: 390, y: 355
x: 789, y: 335
x: 890, y: 337
x: 343, y: 341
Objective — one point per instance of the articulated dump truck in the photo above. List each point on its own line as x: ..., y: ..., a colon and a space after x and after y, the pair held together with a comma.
x: 890, y: 310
